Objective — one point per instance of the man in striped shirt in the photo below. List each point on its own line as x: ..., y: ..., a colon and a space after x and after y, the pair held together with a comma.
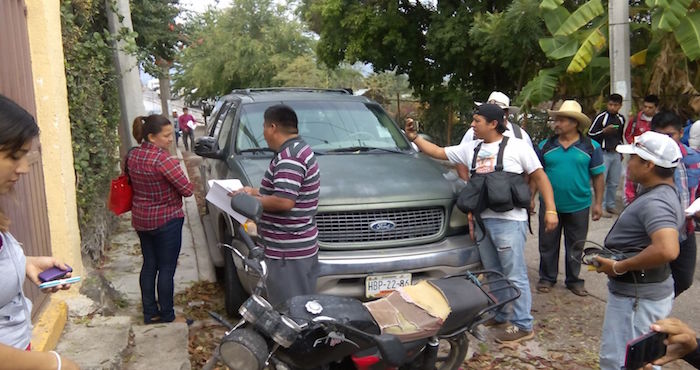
x: 289, y: 194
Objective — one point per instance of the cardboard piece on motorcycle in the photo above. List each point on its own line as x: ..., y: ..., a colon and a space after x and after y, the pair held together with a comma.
x: 408, y: 321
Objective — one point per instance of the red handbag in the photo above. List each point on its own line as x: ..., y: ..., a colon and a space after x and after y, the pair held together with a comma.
x: 120, y: 195
x: 120, y: 191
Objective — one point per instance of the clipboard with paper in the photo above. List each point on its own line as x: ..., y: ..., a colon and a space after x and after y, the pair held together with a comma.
x: 218, y: 196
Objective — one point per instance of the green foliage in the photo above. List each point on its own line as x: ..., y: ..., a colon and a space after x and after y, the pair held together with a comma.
x: 246, y: 45
x: 94, y: 114
x: 451, y: 51
x: 304, y: 71
x: 541, y: 88
x: 581, y: 17
x: 594, y: 42
x: 158, y: 34
x: 668, y: 13
x: 688, y: 35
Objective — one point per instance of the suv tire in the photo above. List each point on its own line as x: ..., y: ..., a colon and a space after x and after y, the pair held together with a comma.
x: 234, y: 294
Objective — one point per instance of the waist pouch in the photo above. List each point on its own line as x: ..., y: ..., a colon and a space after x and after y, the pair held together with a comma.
x: 655, y: 275
x: 499, y: 191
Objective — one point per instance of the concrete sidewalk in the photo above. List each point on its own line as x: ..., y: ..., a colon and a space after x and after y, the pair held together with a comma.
x: 105, y: 326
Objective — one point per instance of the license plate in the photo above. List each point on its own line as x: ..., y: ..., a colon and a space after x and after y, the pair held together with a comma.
x: 379, y: 285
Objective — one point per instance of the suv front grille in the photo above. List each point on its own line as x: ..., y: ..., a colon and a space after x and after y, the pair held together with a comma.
x: 354, y: 226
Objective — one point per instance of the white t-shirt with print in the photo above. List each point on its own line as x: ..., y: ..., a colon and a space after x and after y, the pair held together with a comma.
x: 518, y: 157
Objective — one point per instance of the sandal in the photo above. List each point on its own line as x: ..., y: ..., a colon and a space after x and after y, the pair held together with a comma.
x: 579, y: 291
x: 544, y: 287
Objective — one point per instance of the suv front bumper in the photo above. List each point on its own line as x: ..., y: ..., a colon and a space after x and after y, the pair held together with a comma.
x: 343, y: 272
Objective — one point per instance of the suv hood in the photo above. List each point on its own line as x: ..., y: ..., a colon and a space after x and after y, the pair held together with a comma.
x: 370, y: 177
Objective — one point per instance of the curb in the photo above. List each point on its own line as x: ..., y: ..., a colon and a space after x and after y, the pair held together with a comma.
x: 49, y: 325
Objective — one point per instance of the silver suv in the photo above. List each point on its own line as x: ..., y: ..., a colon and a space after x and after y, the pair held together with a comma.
x: 386, y: 214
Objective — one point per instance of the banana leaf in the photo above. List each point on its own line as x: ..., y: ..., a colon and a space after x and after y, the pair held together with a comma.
x: 541, y: 88
x: 582, y: 16
x: 553, y: 19
x: 559, y: 47
x: 668, y: 14
x: 688, y: 35
x: 550, y: 4
x: 592, y: 44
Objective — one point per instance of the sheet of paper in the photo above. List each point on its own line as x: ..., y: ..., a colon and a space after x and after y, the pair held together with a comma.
x: 693, y: 208
x: 191, y: 124
x: 218, y: 196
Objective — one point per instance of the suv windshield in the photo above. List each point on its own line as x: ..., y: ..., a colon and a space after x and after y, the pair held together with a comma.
x: 327, y: 126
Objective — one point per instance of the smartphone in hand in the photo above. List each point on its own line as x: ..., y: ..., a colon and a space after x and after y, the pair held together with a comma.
x: 645, y: 349
x: 53, y: 274
x: 53, y: 283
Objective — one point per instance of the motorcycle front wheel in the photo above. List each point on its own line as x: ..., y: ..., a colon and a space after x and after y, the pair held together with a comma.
x: 452, y: 352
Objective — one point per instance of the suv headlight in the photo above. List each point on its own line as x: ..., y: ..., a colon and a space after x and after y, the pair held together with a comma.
x: 458, y: 219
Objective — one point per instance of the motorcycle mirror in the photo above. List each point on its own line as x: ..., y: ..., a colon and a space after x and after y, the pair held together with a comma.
x: 391, y: 348
x: 247, y: 206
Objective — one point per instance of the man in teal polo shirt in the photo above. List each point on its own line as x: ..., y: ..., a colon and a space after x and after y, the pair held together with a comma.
x: 571, y: 160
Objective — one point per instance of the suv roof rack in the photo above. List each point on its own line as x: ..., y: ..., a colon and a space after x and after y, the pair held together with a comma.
x: 295, y: 89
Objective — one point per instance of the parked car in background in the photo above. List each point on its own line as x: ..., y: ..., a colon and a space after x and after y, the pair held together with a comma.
x: 386, y: 215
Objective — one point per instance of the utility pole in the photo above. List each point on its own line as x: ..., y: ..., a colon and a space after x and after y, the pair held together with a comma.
x: 130, y: 96
x: 618, y: 21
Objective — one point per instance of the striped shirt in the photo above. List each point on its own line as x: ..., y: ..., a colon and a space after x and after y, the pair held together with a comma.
x: 293, y: 174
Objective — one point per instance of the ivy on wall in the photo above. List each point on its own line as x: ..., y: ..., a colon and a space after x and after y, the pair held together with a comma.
x: 94, y: 115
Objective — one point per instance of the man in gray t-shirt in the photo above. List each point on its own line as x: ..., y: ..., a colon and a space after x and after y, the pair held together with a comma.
x: 646, y: 236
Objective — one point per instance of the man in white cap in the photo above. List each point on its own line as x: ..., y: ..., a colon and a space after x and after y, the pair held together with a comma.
x: 504, y: 232
x: 570, y: 160
x: 512, y: 129
x: 644, y: 241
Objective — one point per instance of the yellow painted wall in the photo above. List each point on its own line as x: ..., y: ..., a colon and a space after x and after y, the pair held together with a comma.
x: 46, y: 49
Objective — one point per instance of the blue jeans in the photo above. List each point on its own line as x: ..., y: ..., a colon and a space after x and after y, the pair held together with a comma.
x: 613, y: 171
x: 623, y: 323
x: 503, y: 250
x: 160, y: 249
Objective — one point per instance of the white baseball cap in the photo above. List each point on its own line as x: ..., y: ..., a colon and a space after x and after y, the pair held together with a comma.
x: 654, y: 147
x: 498, y: 98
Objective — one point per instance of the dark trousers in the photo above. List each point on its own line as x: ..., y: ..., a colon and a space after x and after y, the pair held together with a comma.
x: 188, y: 139
x: 160, y: 249
x: 289, y: 278
x: 575, y: 227
x: 683, y: 267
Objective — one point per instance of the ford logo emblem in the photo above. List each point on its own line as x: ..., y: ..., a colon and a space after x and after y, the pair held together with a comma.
x: 382, y: 225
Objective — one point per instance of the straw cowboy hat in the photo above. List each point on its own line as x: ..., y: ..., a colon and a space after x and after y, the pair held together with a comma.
x: 572, y: 109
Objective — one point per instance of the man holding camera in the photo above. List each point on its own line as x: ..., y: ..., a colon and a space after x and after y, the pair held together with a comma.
x: 502, y: 248
x: 644, y: 240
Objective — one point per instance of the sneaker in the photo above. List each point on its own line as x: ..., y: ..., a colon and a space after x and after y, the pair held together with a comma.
x: 513, y: 334
x: 613, y: 211
x: 607, y: 214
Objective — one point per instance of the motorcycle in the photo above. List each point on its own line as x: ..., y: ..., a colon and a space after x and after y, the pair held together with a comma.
x: 329, y: 332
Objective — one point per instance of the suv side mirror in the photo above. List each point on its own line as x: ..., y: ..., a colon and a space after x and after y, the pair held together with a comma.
x: 206, y: 146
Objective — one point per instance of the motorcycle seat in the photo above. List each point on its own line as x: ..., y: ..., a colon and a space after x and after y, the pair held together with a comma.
x: 466, y: 300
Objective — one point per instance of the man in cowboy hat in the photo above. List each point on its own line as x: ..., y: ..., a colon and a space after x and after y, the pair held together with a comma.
x: 512, y: 129
x: 570, y: 160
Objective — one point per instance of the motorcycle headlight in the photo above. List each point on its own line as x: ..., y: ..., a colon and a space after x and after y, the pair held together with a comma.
x: 244, y: 349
